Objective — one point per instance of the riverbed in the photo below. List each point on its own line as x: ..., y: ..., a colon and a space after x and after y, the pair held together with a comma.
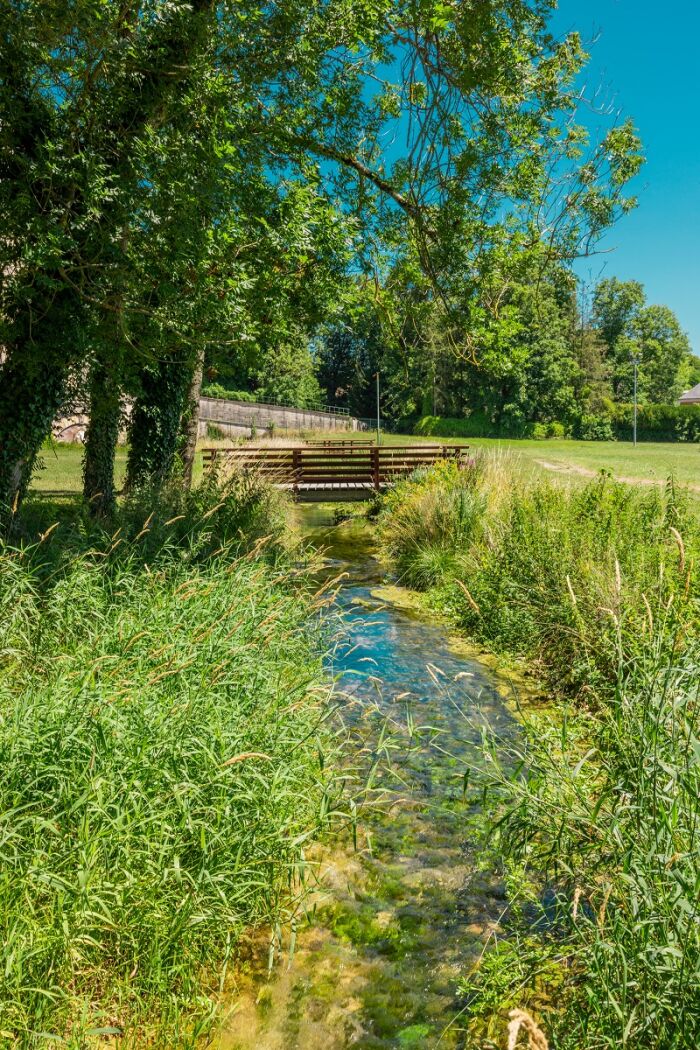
x: 404, y: 904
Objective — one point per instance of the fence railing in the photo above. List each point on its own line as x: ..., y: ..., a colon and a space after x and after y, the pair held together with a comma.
x: 332, y: 467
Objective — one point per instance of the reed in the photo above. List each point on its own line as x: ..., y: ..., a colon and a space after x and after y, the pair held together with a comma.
x: 161, y: 767
x: 595, y: 805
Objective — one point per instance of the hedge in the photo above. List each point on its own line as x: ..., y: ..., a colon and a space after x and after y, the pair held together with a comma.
x: 654, y: 423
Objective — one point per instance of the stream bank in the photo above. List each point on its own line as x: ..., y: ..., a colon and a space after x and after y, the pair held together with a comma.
x: 403, y: 912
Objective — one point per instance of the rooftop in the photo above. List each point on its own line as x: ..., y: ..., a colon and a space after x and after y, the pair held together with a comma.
x: 690, y: 397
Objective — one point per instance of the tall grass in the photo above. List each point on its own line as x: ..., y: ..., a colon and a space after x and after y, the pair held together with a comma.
x: 161, y: 770
x: 571, y: 578
x: 597, y: 805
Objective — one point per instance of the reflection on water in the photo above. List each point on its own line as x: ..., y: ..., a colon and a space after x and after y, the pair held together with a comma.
x: 403, y: 915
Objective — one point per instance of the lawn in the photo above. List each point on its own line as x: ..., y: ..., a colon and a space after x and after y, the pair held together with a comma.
x: 59, y: 468
x: 647, y: 463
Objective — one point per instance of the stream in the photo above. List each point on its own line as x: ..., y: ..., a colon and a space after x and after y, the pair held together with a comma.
x: 402, y: 912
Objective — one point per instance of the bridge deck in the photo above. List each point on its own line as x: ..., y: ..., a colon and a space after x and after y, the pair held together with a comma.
x: 346, y: 472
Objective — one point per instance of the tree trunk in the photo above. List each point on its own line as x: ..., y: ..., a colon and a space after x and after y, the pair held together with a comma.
x: 155, y: 423
x: 101, y: 438
x: 190, y: 422
x: 31, y: 390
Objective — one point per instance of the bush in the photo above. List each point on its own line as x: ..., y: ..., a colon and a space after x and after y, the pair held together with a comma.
x: 658, y: 422
x: 478, y: 424
x: 595, y: 428
x: 654, y: 423
x: 160, y: 764
x: 217, y: 390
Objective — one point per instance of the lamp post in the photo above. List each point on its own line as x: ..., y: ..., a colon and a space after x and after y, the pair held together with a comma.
x: 636, y: 360
x: 378, y: 434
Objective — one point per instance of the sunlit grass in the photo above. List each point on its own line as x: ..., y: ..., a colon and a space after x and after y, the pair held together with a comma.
x: 161, y: 769
x: 596, y: 805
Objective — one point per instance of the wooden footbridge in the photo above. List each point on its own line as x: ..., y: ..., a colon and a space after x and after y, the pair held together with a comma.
x: 334, y: 471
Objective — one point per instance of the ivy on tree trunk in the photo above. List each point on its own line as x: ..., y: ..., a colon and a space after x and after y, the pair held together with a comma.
x: 155, y: 422
x: 101, y: 437
x: 190, y: 422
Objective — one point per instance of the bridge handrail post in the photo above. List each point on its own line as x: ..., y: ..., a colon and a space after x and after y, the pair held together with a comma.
x: 296, y: 470
x: 374, y: 460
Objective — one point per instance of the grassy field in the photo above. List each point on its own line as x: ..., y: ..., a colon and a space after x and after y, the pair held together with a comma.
x: 646, y: 464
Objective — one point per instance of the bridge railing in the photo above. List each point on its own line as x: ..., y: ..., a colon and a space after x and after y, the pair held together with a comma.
x: 330, y: 466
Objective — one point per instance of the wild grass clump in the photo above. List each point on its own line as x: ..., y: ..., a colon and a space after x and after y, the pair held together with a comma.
x: 607, y: 820
x: 163, y: 522
x: 161, y: 770
x: 596, y: 806
x: 575, y: 579
x: 427, y: 520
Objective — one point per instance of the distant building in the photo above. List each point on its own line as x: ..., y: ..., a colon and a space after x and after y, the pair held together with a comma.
x: 690, y: 397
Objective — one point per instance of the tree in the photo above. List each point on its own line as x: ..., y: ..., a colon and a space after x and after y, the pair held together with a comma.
x: 665, y: 354
x: 124, y: 122
x: 630, y: 328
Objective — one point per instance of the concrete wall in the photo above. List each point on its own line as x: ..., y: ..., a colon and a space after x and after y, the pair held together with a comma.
x: 233, y: 418
x: 237, y: 418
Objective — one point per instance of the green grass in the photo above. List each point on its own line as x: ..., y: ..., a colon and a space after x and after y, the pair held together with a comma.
x: 596, y: 585
x: 652, y: 463
x: 648, y: 462
x: 161, y: 770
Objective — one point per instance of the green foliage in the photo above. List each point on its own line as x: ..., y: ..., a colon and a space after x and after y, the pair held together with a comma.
x: 287, y: 376
x: 595, y: 428
x: 599, y: 806
x: 606, y: 819
x: 161, y: 767
x: 654, y: 423
x: 548, y: 570
x: 476, y: 424
x: 652, y: 333
x: 427, y: 519
x: 217, y: 390
x: 518, y: 972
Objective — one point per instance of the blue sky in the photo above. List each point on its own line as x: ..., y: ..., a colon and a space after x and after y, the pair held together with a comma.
x: 646, y: 60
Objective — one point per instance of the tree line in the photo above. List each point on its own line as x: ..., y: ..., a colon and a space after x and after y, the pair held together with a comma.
x: 201, y: 185
x: 556, y: 359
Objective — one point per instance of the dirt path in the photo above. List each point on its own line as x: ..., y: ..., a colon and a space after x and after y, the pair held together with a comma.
x: 572, y: 469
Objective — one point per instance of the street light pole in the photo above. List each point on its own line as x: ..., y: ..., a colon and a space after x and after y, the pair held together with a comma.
x: 378, y: 434
x: 635, y: 361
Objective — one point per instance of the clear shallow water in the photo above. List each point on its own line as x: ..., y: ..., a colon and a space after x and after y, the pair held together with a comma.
x: 403, y: 911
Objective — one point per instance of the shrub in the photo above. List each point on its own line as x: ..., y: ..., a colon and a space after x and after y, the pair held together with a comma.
x: 595, y: 428
x: 478, y: 424
x: 654, y: 423
x: 217, y: 390
x: 658, y: 422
